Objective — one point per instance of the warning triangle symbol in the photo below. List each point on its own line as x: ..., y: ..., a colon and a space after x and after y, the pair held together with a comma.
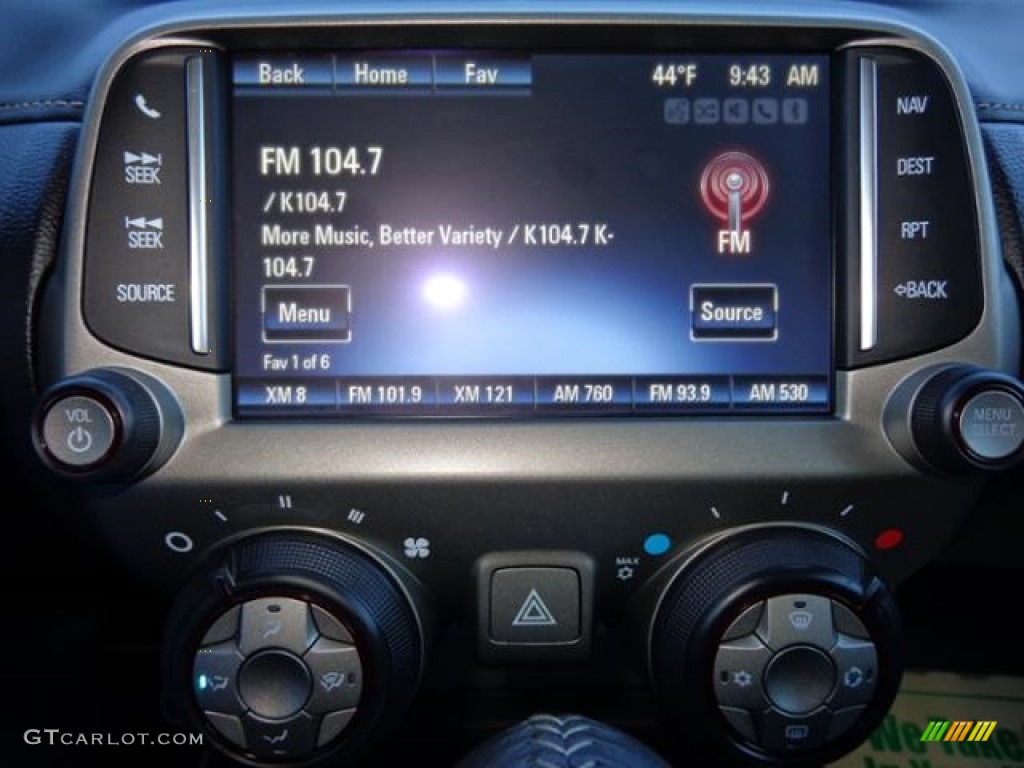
x: 534, y: 612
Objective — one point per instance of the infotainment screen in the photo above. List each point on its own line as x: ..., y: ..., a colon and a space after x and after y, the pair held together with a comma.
x: 508, y: 233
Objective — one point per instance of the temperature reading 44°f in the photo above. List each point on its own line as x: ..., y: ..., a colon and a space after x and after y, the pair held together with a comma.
x: 669, y: 75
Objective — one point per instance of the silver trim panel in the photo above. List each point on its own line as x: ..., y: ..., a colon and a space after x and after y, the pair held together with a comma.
x: 198, y: 202
x: 563, y: 478
x: 868, y: 162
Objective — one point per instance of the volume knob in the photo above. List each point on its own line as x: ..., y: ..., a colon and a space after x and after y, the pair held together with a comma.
x: 105, y: 424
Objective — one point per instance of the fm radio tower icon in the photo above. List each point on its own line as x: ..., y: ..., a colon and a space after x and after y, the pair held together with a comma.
x: 734, y: 187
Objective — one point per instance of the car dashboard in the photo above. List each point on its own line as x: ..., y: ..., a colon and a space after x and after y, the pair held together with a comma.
x: 383, y: 374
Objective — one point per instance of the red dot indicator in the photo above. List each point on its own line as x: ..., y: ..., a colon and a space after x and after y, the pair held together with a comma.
x: 735, y: 185
x: 890, y: 538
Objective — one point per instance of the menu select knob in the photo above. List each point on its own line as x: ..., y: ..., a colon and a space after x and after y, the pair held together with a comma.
x: 969, y: 419
x: 106, y: 424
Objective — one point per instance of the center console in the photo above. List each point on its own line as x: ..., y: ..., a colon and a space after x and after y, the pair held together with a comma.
x: 677, y: 327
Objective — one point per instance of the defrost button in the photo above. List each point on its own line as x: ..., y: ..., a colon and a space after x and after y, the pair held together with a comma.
x: 337, y: 674
x: 797, y: 619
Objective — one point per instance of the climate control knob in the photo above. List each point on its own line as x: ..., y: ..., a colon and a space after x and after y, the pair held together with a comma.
x: 778, y: 645
x: 293, y: 647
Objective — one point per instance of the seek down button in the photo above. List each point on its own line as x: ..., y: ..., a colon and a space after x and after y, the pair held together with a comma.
x: 306, y: 313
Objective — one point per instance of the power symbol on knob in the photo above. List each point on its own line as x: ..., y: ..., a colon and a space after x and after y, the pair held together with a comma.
x: 79, y: 440
x: 734, y: 188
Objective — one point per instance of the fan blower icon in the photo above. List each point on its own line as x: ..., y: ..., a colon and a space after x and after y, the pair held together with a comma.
x: 734, y: 188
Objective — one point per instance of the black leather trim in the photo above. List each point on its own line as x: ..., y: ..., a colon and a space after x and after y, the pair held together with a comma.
x: 1000, y: 113
x: 51, y: 50
x: 1004, y: 145
x: 35, y: 165
x: 42, y: 110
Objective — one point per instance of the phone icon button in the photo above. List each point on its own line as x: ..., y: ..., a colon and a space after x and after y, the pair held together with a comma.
x: 766, y: 111
x: 150, y: 112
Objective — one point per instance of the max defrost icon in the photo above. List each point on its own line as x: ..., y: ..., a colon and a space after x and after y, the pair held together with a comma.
x: 734, y: 187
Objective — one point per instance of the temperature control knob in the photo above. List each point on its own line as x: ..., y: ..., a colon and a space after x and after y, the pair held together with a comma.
x: 777, y: 645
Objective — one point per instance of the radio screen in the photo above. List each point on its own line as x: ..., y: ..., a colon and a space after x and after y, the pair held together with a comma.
x: 496, y: 233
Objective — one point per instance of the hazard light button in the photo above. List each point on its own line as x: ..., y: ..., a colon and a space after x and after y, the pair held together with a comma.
x: 535, y: 605
x: 536, y: 610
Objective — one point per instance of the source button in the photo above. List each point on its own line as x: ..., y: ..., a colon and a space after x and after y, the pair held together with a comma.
x: 733, y: 312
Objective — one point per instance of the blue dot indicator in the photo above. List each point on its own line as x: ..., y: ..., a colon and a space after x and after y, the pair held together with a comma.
x: 202, y: 683
x: 657, y: 544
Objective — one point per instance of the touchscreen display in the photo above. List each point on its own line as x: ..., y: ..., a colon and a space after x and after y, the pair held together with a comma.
x: 508, y: 233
